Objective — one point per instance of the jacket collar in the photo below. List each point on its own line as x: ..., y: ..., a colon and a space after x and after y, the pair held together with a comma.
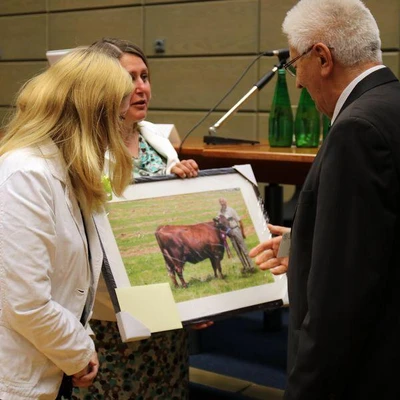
x: 159, y: 143
x: 55, y: 161
x: 377, y: 78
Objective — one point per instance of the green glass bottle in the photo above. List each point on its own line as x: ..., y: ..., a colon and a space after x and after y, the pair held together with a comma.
x: 281, y: 115
x: 326, y: 123
x: 307, y: 124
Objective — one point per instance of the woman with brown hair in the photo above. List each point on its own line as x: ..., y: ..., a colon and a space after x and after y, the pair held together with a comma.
x: 156, y: 368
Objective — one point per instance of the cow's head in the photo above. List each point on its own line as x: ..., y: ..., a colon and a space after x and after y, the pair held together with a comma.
x: 222, y: 224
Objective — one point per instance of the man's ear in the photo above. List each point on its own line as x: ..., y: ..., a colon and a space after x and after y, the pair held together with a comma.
x: 325, y: 58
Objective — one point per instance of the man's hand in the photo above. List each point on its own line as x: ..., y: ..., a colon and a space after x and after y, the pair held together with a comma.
x: 265, y: 253
x: 185, y: 169
x: 86, y: 377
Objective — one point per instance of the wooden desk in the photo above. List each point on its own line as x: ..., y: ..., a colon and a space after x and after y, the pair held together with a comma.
x: 272, y: 165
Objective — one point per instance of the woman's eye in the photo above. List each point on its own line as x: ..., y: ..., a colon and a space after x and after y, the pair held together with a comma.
x: 143, y: 77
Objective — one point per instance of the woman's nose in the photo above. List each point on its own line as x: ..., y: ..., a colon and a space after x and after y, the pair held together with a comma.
x: 139, y: 85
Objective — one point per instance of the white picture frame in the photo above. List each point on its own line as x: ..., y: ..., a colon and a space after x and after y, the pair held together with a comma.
x: 135, y: 216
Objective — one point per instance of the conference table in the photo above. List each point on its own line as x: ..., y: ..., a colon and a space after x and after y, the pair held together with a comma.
x: 272, y: 165
x: 285, y: 165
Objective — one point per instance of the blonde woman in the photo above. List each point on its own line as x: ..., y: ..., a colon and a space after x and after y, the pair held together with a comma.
x: 51, y: 197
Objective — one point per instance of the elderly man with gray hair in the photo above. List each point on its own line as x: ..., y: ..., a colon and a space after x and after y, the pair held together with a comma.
x: 344, y: 262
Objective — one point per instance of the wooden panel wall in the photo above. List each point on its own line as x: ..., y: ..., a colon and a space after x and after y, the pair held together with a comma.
x: 22, y: 6
x: 208, y: 45
x: 198, y: 83
x: 62, y: 5
x: 387, y: 15
x: 76, y: 28
x: 203, y: 27
x: 23, y: 37
x: 12, y: 77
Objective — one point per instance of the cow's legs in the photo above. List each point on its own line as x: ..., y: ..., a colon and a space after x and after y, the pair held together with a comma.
x: 171, y: 268
x: 179, y: 271
x: 216, y: 264
x: 174, y: 270
x: 172, y: 276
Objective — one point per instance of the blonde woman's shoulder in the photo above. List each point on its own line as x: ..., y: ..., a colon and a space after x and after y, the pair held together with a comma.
x: 44, y: 160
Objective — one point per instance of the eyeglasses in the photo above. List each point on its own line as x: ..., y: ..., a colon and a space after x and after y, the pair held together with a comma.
x: 290, y: 65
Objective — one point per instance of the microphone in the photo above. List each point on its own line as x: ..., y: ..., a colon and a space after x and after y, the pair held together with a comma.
x: 212, y: 130
x: 281, y: 53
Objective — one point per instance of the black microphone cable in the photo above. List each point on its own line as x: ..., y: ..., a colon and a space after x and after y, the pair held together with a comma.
x: 266, y: 53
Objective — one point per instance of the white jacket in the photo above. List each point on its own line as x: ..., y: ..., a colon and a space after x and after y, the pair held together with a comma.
x: 159, y: 143
x: 45, y: 276
x: 155, y: 139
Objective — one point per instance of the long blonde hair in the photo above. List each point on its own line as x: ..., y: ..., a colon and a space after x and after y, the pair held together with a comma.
x: 76, y: 103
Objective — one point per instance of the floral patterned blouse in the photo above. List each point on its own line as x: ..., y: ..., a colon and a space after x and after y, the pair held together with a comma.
x: 149, y: 162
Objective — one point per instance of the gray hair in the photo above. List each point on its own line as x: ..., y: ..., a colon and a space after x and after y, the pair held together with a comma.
x: 347, y: 26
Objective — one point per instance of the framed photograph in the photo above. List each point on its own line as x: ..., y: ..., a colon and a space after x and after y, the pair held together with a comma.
x: 196, y: 234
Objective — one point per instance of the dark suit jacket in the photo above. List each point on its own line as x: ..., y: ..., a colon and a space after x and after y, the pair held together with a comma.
x: 344, y: 272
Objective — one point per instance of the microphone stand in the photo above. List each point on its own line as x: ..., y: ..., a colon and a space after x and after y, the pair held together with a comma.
x: 211, y: 138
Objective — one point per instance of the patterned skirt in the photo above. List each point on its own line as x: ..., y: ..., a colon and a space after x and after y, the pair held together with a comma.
x: 153, y: 369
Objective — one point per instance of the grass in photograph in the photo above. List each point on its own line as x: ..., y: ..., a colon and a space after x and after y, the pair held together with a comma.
x: 135, y: 222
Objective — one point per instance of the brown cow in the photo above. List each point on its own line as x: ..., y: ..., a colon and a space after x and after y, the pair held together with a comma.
x: 191, y: 243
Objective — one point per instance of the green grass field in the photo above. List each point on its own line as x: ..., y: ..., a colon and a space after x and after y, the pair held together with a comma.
x: 134, y: 224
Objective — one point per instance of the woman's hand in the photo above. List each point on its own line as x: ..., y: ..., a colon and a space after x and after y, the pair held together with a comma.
x: 266, y: 253
x: 86, y: 377
x: 201, y: 325
x: 185, y: 169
